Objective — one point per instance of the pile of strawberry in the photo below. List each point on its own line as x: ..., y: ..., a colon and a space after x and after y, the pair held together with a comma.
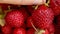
x: 16, y: 19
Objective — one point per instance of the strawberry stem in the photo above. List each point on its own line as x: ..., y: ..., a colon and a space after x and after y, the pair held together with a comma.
x: 8, y: 7
x: 36, y: 7
x: 34, y: 27
x: 47, y: 4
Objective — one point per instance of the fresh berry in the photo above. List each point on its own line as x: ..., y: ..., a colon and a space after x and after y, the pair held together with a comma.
x: 14, y: 18
x: 24, y: 12
x: 19, y: 31
x: 6, y: 29
x: 55, y: 5
x: 43, y: 17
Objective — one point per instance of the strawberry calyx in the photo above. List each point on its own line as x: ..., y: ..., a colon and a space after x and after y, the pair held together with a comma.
x: 40, y: 31
x: 46, y: 4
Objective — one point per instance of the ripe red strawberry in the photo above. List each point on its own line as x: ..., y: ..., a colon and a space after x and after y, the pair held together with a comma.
x: 29, y: 21
x: 24, y: 12
x: 14, y: 18
x: 6, y: 29
x: 19, y: 31
x: 43, y: 17
x: 55, y: 5
x: 31, y: 31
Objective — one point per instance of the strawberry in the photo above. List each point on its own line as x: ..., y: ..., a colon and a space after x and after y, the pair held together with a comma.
x: 14, y: 18
x: 31, y: 31
x: 6, y: 29
x: 29, y: 21
x: 19, y: 31
x: 43, y: 17
x: 24, y: 12
x: 55, y: 5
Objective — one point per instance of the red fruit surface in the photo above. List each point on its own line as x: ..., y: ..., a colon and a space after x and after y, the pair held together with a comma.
x: 43, y: 17
x: 14, y: 18
x: 24, y: 12
x: 31, y: 31
x: 19, y: 31
x: 55, y: 5
x: 29, y: 21
x: 6, y: 29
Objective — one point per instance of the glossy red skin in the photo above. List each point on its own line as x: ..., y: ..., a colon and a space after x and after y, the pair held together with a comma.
x: 19, y: 31
x: 31, y: 31
x: 43, y: 17
x: 55, y: 5
x: 6, y: 29
x: 29, y: 21
x: 14, y: 18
